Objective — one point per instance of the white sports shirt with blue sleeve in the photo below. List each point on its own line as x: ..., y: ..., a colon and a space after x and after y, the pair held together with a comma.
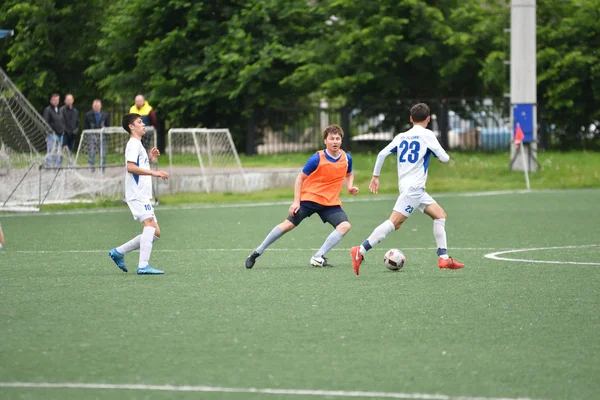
x: 413, y: 150
x: 137, y: 187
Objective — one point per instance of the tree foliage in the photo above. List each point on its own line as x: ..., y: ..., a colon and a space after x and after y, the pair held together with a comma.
x: 210, y: 63
x: 52, y: 46
x: 223, y: 62
x: 568, y: 59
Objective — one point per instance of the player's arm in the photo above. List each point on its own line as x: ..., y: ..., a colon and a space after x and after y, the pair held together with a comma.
x: 353, y: 190
x: 132, y: 168
x: 387, y: 150
x: 297, y: 191
x: 310, y: 167
x: 436, y: 148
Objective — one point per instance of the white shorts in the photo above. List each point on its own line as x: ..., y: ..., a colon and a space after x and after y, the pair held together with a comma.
x: 141, y: 210
x: 411, y: 199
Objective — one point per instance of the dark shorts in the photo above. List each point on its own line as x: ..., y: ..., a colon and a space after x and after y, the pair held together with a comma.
x: 331, y: 214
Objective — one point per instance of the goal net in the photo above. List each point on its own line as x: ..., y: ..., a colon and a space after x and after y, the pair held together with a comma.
x: 101, y: 147
x: 208, y: 159
x: 22, y: 141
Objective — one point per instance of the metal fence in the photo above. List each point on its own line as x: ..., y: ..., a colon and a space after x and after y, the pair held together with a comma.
x: 476, y: 125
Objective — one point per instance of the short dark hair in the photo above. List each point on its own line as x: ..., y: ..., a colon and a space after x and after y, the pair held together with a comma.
x: 54, y: 95
x: 333, y: 130
x: 419, y: 112
x: 128, y: 119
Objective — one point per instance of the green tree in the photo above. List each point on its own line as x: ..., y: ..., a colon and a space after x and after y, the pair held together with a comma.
x: 374, y: 54
x: 53, y: 42
x: 568, y: 41
x: 204, y: 63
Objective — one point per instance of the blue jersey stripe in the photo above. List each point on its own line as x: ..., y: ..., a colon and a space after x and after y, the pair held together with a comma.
x: 426, y: 160
x: 136, y: 177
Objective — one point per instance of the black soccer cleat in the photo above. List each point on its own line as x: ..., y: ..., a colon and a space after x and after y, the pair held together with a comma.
x: 251, y: 259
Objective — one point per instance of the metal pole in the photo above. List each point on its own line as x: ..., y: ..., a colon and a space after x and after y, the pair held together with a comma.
x: 523, y: 78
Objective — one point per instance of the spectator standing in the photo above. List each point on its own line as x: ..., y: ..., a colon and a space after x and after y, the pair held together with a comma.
x: 96, y: 119
x: 144, y: 109
x: 70, y: 118
x: 55, y: 139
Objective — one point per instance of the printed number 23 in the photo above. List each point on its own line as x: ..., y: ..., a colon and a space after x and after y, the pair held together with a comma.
x: 148, y: 207
x: 409, y: 209
x: 414, y: 148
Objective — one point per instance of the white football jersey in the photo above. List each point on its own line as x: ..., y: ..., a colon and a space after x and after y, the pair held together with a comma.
x: 413, y: 150
x: 137, y: 187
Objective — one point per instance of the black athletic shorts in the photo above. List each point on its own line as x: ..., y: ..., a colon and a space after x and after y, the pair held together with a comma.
x: 331, y: 214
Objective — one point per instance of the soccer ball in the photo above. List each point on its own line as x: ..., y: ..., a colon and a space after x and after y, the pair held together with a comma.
x: 394, y: 259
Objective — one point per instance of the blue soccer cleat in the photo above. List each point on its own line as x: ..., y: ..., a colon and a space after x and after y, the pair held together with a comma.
x: 118, y: 258
x: 148, y: 270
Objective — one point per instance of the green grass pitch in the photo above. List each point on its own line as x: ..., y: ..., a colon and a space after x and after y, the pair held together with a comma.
x: 496, y: 329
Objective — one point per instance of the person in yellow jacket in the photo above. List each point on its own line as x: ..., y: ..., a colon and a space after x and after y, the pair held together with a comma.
x: 147, y: 114
x: 317, y: 190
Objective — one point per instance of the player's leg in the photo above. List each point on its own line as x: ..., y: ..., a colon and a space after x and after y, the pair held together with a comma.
x: 438, y: 215
x: 143, y: 212
x: 405, y: 205
x: 150, y: 233
x: 1, y: 238
x: 117, y: 254
x: 337, y: 218
x: 277, y: 232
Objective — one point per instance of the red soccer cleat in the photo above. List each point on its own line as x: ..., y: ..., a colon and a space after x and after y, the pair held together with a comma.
x: 357, y: 258
x: 449, y: 263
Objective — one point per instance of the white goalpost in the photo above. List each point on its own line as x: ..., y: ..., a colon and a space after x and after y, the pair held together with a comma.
x: 208, y: 159
x: 31, y: 174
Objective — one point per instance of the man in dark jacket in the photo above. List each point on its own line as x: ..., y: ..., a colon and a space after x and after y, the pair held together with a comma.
x: 70, y: 117
x: 96, y: 119
x: 55, y: 139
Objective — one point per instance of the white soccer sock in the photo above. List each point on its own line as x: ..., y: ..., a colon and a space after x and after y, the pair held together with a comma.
x: 439, y: 233
x: 132, y: 245
x: 377, y: 236
x: 147, y: 237
x: 334, y: 238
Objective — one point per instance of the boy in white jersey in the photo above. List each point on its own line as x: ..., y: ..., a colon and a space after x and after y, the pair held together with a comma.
x: 138, y: 194
x: 413, y: 149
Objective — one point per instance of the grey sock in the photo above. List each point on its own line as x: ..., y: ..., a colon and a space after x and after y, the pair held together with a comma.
x: 334, y: 238
x: 271, y: 237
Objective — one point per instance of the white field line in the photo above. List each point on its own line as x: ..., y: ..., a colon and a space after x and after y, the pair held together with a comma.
x: 363, y: 198
x: 496, y: 255
x: 229, y: 250
x: 218, y: 389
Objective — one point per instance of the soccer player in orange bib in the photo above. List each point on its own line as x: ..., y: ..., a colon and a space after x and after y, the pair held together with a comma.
x: 317, y: 190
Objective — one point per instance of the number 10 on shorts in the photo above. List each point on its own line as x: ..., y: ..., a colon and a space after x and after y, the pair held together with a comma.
x: 148, y: 207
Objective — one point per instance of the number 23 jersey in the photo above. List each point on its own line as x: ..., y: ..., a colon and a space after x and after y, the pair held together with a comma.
x: 413, y: 150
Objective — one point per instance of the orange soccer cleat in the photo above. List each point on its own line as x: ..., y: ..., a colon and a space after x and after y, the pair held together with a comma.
x: 449, y: 263
x: 357, y: 258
